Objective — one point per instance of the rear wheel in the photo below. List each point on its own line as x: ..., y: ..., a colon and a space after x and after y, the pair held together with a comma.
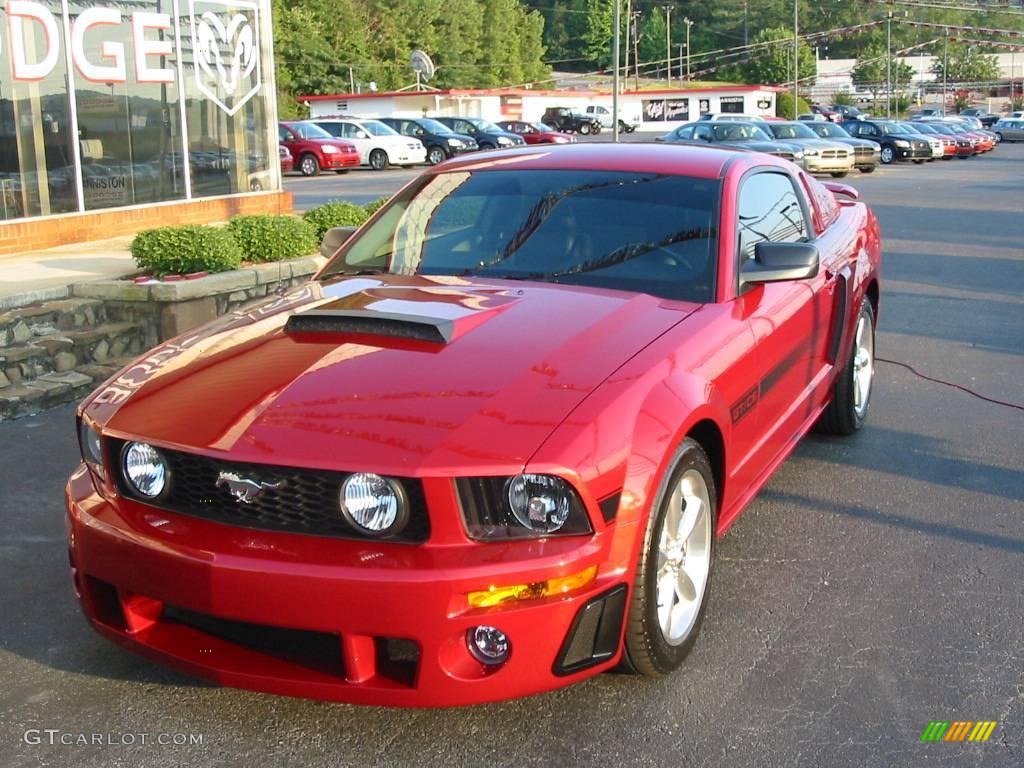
x: 887, y: 155
x: 309, y: 165
x: 851, y: 392
x: 378, y: 159
x: 672, y: 578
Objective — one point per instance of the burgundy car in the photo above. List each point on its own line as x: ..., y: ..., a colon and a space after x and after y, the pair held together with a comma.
x: 537, y: 133
x: 313, y: 149
x: 488, y: 450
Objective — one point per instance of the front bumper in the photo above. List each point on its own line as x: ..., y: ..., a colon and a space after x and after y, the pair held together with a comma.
x: 138, y: 571
x: 818, y: 164
x: 913, y: 153
x: 341, y: 160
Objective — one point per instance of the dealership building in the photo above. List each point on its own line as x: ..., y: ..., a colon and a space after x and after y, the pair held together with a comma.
x: 654, y: 110
x: 115, y: 116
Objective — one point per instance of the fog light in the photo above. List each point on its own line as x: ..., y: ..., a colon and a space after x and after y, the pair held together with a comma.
x: 488, y: 645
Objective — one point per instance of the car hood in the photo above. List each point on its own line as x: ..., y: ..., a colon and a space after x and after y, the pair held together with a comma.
x: 341, y: 388
x: 814, y: 143
x: 852, y: 141
x: 770, y: 147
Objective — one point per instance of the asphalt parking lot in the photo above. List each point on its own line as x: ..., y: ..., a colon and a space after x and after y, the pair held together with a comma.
x: 873, y: 587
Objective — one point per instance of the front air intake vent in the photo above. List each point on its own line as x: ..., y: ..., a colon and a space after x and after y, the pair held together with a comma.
x: 340, y: 321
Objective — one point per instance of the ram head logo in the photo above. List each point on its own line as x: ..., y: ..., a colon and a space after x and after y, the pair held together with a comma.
x: 244, y: 490
x: 226, y: 52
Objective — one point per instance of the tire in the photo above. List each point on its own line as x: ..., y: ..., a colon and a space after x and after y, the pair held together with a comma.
x: 918, y: 162
x: 838, y: 174
x: 866, y: 169
x: 849, y: 407
x: 309, y: 165
x: 584, y: 129
x: 378, y: 159
x: 341, y: 171
x: 649, y: 650
x: 488, y: 146
x: 255, y: 185
x: 1000, y: 137
x: 435, y: 155
x: 888, y: 155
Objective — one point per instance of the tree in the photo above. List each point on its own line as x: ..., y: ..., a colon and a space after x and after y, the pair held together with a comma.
x: 966, y: 65
x: 773, y: 64
x: 871, y: 71
x: 598, y: 37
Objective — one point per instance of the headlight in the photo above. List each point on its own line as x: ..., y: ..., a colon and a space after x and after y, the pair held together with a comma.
x: 454, y: 142
x: 811, y: 153
x: 798, y: 155
x: 90, y: 443
x: 145, y: 469
x: 505, y: 141
x: 901, y: 143
x: 373, y: 504
x: 523, y: 506
x: 330, y: 149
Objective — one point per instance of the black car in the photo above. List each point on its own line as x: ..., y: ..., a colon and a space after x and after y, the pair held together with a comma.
x: 487, y: 134
x: 733, y: 133
x: 986, y: 118
x: 440, y: 140
x: 565, y: 120
x: 898, y: 143
x: 866, y: 152
x: 848, y: 112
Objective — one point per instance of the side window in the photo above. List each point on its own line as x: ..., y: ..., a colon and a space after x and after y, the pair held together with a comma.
x: 283, y: 134
x: 703, y: 133
x: 769, y: 209
x: 685, y: 132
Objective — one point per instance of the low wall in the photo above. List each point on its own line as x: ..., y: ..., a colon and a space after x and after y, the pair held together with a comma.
x: 50, y: 231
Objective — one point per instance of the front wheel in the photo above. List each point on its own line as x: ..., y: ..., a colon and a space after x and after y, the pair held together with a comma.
x: 918, y: 162
x: 887, y: 155
x: 838, y: 174
x: 584, y: 129
x: 309, y: 165
x: 867, y: 169
x: 851, y: 392
x: 435, y: 155
x: 378, y: 159
x: 672, y: 578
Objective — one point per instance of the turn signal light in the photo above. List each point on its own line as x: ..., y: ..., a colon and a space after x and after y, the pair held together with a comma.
x: 492, y: 596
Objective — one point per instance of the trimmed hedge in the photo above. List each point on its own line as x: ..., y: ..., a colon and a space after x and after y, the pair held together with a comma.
x: 372, y: 208
x: 335, y: 214
x: 184, y: 249
x: 273, y: 238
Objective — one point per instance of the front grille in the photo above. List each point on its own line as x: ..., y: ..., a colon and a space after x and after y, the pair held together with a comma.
x: 832, y: 154
x: 306, y: 500
x: 864, y: 151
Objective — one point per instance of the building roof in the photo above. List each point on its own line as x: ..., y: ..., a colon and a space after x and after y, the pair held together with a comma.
x: 471, y: 92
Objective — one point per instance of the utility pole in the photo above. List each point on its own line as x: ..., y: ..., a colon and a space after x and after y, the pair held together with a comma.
x: 945, y: 69
x: 689, y: 23
x: 888, y: 66
x: 615, y: 72
x: 636, y: 52
x: 668, y: 42
x: 681, y: 64
x: 629, y: 20
x: 796, y: 56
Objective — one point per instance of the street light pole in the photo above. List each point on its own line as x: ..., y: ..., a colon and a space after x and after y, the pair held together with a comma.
x: 615, y: 71
x: 945, y: 69
x: 796, y: 56
x: 668, y: 42
x: 689, y: 23
x: 888, y: 66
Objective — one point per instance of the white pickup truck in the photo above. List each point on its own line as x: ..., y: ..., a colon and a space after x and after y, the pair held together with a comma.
x: 604, y: 116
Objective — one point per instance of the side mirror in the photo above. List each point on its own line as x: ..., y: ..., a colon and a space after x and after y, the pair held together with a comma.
x: 334, y: 239
x: 778, y: 262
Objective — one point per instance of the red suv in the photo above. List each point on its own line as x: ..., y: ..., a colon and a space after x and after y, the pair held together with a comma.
x: 313, y: 149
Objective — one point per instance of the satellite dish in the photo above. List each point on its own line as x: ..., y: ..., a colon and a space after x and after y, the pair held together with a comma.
x: 422, y: 65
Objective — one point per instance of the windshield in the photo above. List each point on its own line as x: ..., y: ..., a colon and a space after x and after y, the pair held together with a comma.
x: 543, y: 128
x: 891, y: 129
x: 483, y: 125
x: 792, y: 131
x: 377, y: 128
x: 739, y: 132
x: 644, y: 232
x: 829, y: 129
x: 310, y: 131
x: 433, y: 126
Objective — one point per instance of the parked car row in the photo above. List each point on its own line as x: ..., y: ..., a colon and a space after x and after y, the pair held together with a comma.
x: 836, y: 148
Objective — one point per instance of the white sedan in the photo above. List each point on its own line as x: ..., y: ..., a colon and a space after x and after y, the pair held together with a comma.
x: 379, y: 145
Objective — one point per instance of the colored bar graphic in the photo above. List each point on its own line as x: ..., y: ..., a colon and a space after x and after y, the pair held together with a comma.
x: 959, y: 730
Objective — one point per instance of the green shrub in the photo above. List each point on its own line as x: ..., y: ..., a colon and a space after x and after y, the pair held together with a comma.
x: 784, y: 106
x: 376, y: 205
x: 843, y: 97
x: 335, y: 214
x: 181, y: 250
x: 273, y: 238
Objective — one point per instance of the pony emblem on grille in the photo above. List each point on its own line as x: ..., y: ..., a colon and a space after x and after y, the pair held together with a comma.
x: 243, y: 489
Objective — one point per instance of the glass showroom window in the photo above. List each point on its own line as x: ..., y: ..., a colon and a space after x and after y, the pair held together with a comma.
x: 128, y: 119
x: 36, y: 151
x: 226, y: 109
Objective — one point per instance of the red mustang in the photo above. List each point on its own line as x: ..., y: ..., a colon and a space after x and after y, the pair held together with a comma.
x: 488, y: 450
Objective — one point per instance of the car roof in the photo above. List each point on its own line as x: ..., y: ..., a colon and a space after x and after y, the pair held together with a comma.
x: 675, y: 159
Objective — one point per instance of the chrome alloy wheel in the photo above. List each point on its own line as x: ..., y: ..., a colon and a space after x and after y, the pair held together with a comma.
x: 863, y: 365
x: 684, y: 557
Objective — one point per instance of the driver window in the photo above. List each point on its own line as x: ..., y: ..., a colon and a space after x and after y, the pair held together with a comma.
x: 703, y: 133
x: 685, y: 133
x: 769, y: 210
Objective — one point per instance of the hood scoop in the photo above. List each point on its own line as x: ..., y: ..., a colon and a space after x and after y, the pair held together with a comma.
x: 361, y: 322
